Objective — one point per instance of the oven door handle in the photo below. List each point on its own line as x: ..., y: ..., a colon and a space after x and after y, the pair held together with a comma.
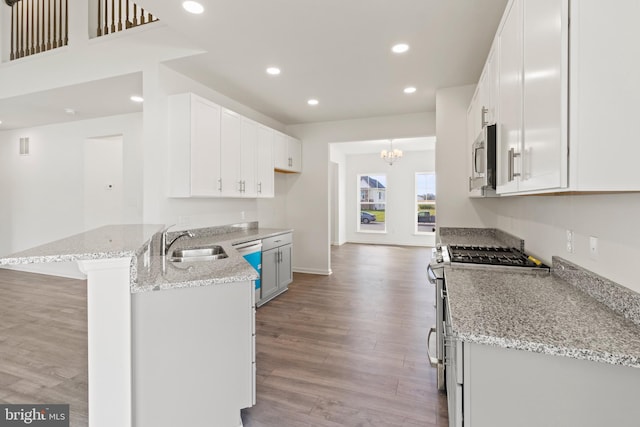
x: 432, y: 360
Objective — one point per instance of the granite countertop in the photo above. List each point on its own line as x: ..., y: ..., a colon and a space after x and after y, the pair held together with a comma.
x: 193, y: 274
x: 135, y: 240
x: 111, y: 241
x: 538, y: 313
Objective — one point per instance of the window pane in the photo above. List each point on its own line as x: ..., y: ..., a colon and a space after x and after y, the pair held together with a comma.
x: 425, y: 202
x: 372, y: 207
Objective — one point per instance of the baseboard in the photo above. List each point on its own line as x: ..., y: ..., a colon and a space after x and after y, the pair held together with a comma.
x: 312, y: 271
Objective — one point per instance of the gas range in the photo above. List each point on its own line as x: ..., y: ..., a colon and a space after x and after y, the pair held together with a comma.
x: 486, y: 257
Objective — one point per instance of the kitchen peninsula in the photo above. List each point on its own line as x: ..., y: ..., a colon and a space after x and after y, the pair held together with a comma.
x: 164, y: 343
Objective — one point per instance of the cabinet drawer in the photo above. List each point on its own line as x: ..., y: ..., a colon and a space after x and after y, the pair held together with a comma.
x: 276, y: 241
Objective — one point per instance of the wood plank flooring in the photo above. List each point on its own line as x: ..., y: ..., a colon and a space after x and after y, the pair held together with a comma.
x: 349, y: 349
x: 43, y: 341
x: 340, y: 350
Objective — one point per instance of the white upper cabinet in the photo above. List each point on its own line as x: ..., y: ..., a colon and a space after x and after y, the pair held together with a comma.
x: 545, y: 85
x: 567, y: 97
x: 265, y: 179
x: 288, y: 153
x: 249, y: 158
x: 231, y: 137
x: 194, y: 146
x: 215, y: 152
x: 509, y: 129
x: 604, y: 93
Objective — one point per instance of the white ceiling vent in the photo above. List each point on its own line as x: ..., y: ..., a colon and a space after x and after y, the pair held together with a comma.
x: 24, y: 146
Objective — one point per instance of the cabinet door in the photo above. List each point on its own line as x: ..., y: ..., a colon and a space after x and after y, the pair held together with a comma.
x: 509, y: 142
x: 194, y: 146
x: 265, y: 177
x: 281, y: 151
x: 493, y: 80
x: 248, y: 160
x: 205, y: 147
x: 269, y: 280
x: 285, y: 274
x: 295, y: 154
x: 545, y: 94
x: 230, y: 154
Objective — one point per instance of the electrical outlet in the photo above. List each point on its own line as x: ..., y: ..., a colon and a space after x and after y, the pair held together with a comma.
x: 570, y: 241
x: 593, y: 247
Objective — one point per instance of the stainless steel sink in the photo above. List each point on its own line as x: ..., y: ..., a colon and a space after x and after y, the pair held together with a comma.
x: 203, y: 253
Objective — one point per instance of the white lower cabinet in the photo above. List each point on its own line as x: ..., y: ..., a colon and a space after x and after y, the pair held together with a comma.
x: 507, y: 387
x: 276, y: 266
x: 193, y: 355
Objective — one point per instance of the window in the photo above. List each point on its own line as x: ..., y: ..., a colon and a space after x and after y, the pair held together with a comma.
x: 373, y: 202
x: 425, y: 202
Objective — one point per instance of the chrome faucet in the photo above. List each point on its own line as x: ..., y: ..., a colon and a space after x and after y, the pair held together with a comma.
x: 164, y: 245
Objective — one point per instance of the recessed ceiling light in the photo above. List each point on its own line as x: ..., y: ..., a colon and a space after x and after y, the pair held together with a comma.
x: 274, y: 71
x: 313, y: 102
x: 409, y: 89
x: 136, y: 98
x: 400, y: 48
x: 70, y: 111
x: 193, y: 7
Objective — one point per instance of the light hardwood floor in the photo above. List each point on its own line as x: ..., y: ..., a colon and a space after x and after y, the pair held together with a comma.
x: 43, y: 341
x: 340, y: 350
x: 349, y: 349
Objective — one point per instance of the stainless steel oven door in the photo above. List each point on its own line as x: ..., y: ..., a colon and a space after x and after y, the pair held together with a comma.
x: 436, y: 277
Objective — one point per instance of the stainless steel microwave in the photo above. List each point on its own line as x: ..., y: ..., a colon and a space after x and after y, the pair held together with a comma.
x: 483, y: 162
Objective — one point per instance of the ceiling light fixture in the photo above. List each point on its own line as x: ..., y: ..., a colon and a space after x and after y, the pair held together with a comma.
x: 136, y: 98
x: 313, y: 102
x: 392, y: 155
x: 400, y: 48
x: 70, y: 111
x: 409, y: 89
x: 274, y: 71
x: 193, y: 7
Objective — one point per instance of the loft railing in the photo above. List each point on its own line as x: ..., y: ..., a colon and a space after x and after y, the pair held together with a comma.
x: 118, y: 15
x: 41, y: 25
x: 37, y: 26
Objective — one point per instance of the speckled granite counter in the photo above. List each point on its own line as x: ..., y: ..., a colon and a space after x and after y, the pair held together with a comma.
x: 112, y: 241
x: 479, y: 237
x: 122, y: 241
x: 193, y: 274
x: 542, y: 314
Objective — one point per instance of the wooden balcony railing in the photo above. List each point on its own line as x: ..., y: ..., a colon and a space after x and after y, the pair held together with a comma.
x: 118, y: 15
x: 37, y: 26
x: 41, y: 25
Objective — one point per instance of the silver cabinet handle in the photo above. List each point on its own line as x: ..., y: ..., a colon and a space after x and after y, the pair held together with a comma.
x: 219, y: 184
x: 512, y: 159
x: 483, y: 116
x: 244, y: 186
x: 432, y: 360
x: 259, y: 188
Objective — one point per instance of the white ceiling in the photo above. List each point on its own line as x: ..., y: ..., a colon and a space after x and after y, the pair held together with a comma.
x: 337, y: 51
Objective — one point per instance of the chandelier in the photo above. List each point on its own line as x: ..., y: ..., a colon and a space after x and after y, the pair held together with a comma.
x: 391, y: 155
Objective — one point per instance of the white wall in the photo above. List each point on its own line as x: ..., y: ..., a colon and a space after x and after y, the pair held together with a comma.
x: 308, y: 210
x: 43, y: 193
x: 541, y: 220
x: 455, y: 209
x: 400, y: 216
x: 338, y: 196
